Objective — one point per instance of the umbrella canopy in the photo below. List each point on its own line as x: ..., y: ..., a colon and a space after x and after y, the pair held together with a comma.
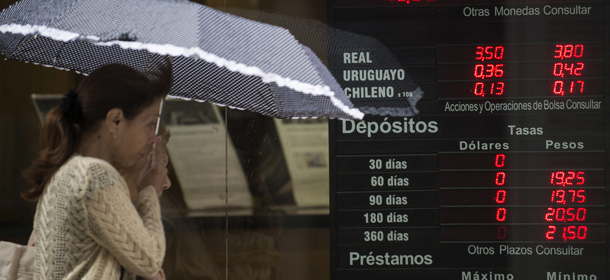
x: 216, y: 57
x: 334, y: 43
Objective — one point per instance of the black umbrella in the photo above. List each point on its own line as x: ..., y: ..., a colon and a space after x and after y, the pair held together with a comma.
x: 217, y: 57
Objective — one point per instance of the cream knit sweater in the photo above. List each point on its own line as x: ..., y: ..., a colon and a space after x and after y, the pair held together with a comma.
x: 87, y: 227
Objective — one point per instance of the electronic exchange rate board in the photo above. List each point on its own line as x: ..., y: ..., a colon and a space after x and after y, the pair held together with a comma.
x: 502, y: 173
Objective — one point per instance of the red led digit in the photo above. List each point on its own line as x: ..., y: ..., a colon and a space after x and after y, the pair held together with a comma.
x: 501, y: 232
x: 479, y: 53
x: 500, y: 178
x: 581, y: 214
x: 495, y: 88
x: 581, y: 178
x: 479, y: 89
x: 558, y: 51
x: 560, y: 178
x: 549, y: 216
x: 560, y: 214
x: 481, y: 71
x: 478, y: 71
x: 492, y: 52
x: 500, y: 158
x: 489, y: 52
x: 578, y: 50
x: 501, y: 196
x: 558, y: 69
x: 563, y: 178
x: 580, y: 194
x: 568, y: 51
x: 569, y: 233
x: 488, y: 71
x: 574, y: 87
x: 578, y: 68
x: 570, y: 178
x: 558, y: 88
x: 574, y: 232
x: 570, y: 215
x: 581, y: 84
x: 560, y: 195
x: 501, y: 215
x: 564, y: 196
x: 557, y: 178
x: 492, y: 89
x: 565, y: 214
x: 550, y: 234
x: 568, y: 69
x: 582, y: 232
x: 499, y: 52
x: 572, y: 194
x: 497, y: 70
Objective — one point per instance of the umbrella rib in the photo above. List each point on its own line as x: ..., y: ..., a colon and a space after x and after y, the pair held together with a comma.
x: 150, y: 55
x: 21, y: 45
x: 274, y: 100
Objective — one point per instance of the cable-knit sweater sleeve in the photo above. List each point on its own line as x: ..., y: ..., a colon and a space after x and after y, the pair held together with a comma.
x: 133, y: 234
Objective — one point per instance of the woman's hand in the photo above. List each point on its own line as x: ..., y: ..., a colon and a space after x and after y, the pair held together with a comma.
x: 155, y: 170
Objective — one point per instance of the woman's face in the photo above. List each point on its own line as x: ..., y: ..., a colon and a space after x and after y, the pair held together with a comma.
x: 135, y: 137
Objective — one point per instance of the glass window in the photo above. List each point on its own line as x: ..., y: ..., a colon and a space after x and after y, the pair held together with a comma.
x: 481, y: 155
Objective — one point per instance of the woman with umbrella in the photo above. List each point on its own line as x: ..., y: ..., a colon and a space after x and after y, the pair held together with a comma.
x: 86, y: 226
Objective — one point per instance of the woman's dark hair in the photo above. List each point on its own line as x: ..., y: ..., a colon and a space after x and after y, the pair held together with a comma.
x: 110, y: 86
